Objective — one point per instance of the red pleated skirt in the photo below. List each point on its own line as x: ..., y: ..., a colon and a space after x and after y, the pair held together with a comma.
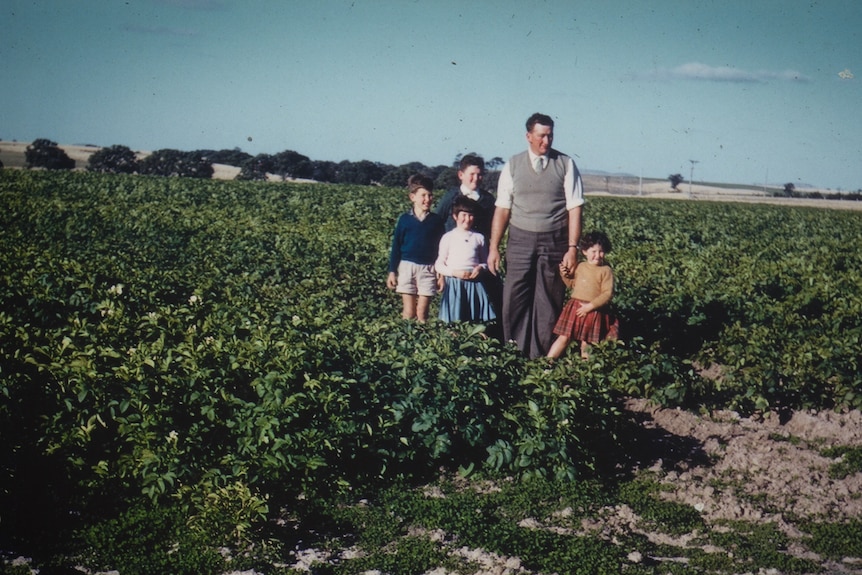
x: 596, y: 326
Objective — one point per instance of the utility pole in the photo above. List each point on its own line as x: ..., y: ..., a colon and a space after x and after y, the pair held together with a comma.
x: 691, y: 176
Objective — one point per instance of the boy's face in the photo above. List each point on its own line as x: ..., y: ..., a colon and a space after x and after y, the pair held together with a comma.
x: 470, y: 177
x: 464, y: 220
x: 421, y: 200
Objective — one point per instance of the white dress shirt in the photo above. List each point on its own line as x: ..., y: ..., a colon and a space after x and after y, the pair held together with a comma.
x: 572, y: 186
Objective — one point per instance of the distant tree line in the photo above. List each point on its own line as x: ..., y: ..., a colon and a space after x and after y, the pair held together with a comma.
x: 119, y: 159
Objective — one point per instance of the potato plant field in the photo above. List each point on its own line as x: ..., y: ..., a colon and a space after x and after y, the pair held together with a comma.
x: 225, y: 350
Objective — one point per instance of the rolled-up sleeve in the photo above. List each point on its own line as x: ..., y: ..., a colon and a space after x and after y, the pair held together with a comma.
x: 573, y: 185
x: 505, y: 187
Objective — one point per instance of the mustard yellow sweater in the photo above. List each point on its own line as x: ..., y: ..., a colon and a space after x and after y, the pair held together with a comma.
x: 592, y: 283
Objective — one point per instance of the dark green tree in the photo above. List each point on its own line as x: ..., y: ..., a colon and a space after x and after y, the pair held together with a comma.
x: 324, y: 171
x: 234, y: 157
x: 675, y: 180
x: 363, y: 172
x: 396, y: 176
x: 43, y: 153
x: 495, y: 163
x: 116, y: 159
x: 789, y: 187
x: 167, y: 162
x: 256, y: 168
x: 290, y: 164
x: 446, y: 179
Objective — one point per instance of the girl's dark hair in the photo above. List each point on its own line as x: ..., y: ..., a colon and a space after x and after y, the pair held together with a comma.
x: 464, y: 204
x: 592, y: 238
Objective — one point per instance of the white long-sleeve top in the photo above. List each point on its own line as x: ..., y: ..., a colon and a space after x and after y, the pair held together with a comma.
x: 460, y: 251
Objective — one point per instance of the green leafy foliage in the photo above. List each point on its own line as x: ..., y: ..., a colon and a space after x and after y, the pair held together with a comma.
x: 746, y: 544
x: 146, y: 539
x: 675, y: 518
x: 225, y: 347
x: 850, y: 460
x: 768, y: 295
x: 835, y: 540
x: 493, y: 521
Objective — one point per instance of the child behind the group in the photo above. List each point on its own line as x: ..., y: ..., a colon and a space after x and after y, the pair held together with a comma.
x: 414, y: 251
x: 586, y: 317
x: 461, y: 260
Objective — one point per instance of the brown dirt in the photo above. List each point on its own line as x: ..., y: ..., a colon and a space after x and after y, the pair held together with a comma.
x: 753, y: 469
x: 733, y: 462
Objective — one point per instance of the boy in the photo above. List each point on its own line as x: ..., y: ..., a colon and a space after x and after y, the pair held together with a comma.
x: 414, y: 251
x: 471, y: 171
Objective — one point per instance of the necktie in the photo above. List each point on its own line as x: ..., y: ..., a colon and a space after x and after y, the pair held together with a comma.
x: 537, y: 164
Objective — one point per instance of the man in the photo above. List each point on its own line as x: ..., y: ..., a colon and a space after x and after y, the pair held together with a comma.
x: 471, y: 170
x: 540, y: 200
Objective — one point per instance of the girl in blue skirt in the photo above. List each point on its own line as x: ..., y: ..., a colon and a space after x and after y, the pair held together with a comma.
x: 461, y: 262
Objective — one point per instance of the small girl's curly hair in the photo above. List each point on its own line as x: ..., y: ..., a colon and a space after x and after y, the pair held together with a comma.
x: 592, y: 238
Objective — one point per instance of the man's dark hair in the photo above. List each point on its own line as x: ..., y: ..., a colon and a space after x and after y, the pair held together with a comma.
x: 471, y: 160
x: 538, y: 118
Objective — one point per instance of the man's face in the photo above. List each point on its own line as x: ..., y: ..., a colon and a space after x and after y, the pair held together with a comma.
x: 470, y: 177
x: 540, y: 139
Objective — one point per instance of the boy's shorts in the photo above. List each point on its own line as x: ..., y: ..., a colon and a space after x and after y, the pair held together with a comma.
x: 416, y: 279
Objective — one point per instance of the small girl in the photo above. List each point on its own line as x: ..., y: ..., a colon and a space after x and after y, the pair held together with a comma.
x: 461, y: 261
x: 586, y: 316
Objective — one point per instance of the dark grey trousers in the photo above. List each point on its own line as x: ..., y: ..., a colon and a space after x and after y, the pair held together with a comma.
x: 533, y: 292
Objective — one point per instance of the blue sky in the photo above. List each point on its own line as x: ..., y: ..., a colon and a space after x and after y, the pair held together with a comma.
x: 757, y: 91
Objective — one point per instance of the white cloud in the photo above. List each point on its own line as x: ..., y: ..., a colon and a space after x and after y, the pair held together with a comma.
x: 845, y: 74
x: 698, y: 71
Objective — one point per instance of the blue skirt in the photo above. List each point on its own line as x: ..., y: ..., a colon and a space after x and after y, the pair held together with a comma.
x: 465, y: 300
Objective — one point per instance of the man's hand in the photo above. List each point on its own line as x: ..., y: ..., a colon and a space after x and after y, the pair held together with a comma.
x: 498, y: 227
x: 494, y: 261
x: 570, y: 261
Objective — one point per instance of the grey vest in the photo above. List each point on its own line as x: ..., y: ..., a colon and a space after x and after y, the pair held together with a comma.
x: 539, y: 200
